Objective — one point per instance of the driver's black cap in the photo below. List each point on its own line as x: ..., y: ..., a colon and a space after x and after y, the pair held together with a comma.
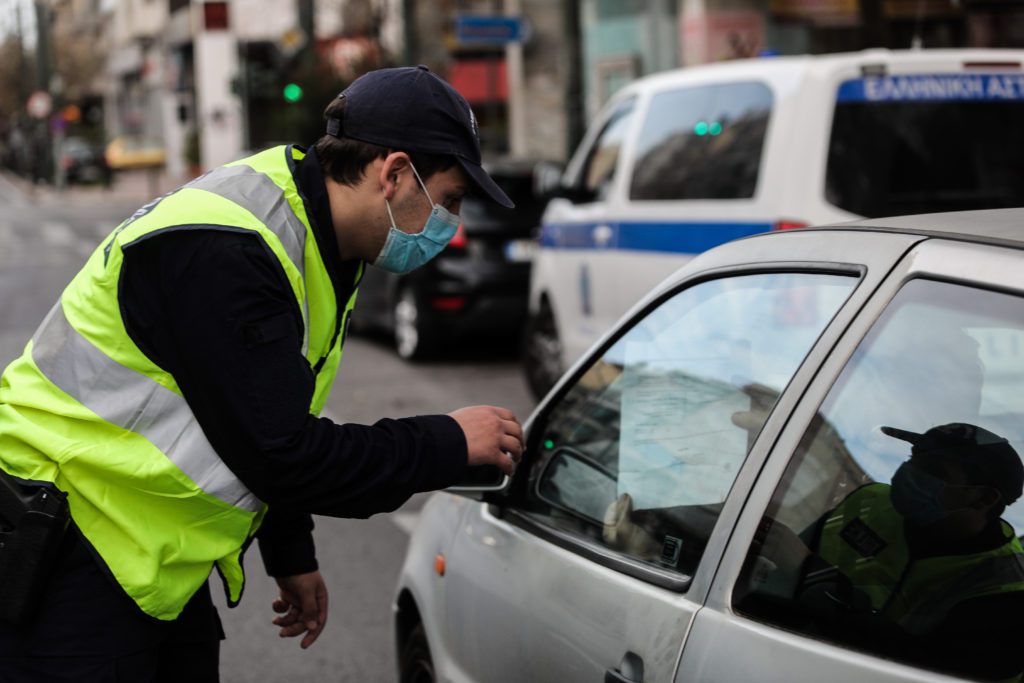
x: 988, y: 455
x: 411, y: 109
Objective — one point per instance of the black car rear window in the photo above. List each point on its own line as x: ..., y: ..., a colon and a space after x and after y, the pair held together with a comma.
x: 921, y: 144
x: 479, y: 213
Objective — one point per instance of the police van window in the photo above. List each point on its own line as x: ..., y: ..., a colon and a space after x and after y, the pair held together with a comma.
x: 599, y: 170
x: 702, y: 143
x: 920, y: 144
x: 640, y: 454
x: 894, y: 529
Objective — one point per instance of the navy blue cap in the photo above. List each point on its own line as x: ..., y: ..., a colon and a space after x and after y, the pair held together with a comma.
x: 988, y: 454
x: 411, y: 109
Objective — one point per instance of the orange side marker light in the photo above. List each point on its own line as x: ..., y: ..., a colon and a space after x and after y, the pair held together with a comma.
x: 439, y: 564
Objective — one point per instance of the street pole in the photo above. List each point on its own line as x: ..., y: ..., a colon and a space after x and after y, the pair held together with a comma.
x: 409, y: 35
x: 574, y: 77
x: 516, y: 88
x: 43, y: 76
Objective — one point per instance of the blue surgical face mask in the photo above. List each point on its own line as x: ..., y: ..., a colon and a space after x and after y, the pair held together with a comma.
x: 403, y: 252
x: 917, y: 496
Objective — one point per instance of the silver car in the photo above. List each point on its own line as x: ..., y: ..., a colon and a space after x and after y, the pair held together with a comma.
x: 796, y: 460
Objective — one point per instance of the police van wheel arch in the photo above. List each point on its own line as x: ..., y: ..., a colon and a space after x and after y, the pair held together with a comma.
x: 542, y: 350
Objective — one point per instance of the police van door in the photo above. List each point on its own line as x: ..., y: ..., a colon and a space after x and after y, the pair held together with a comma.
x: 578, y: 237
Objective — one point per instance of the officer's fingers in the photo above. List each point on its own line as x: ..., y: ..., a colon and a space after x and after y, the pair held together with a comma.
x: 504, y: 413
x: 298, y: 628
x: 280, y: 605
x: 289, y: 618
x: 320, y: 598
x: 513, y: 428
x: 501, y: 460
x: 513, y: 447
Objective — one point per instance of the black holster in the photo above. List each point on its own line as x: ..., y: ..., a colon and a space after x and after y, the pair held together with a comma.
x: 33, y: 518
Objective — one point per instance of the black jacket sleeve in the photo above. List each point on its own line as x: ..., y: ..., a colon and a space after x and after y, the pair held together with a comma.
x: 214, y: 309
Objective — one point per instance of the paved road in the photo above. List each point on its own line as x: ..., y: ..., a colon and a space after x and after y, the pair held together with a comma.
x: 45, y: 238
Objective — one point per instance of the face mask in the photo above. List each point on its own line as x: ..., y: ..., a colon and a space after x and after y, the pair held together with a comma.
x: 403, y: 252
x: 917, y: 496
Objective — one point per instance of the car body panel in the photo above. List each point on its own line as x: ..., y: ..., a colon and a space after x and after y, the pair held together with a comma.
x: 517, y: 606
x: 719, y: 632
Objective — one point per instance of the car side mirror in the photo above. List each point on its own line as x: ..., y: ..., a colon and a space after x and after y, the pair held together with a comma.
x: 576, y: 483
x: 547, y: 180
x: 480, y: 479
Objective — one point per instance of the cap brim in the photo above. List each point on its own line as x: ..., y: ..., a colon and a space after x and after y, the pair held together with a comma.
x: 902, y: 434
x: 485, y: 184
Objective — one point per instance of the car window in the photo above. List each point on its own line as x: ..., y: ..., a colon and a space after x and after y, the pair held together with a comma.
x: 702, y: 143
x: 920, y: 144
x: 603, y: 157
x: 894, y: 529
x: 641, y: 452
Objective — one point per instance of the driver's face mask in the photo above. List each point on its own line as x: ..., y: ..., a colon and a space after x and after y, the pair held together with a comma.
x: 404, y: 252
x: 917, y: 496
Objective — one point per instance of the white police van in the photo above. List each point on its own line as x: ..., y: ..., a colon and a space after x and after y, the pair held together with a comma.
x: 682, y: 161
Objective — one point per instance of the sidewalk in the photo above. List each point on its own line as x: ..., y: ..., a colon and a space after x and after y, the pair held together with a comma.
x: 134, y: 187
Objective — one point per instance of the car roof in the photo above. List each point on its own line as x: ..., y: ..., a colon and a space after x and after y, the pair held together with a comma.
x: 994, y: 226
x: 889, y: 61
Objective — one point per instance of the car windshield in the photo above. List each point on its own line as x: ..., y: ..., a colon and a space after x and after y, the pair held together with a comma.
x: 924, y: 144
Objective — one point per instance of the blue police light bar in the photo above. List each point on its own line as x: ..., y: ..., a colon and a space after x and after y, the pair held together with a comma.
x: 934, y: 87
x: 476, y: 29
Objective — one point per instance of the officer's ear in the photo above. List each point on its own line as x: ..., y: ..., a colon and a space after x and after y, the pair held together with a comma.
x: 392, y: 171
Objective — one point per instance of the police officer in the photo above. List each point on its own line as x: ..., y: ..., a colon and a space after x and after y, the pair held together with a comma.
x: 173, y: 392
x: 925, y: 568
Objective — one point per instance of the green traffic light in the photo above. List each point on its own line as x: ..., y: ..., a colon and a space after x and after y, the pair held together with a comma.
x: 292, y: 92
x: 701, y: 128
x: 715, y: 128
x: 549, y: 444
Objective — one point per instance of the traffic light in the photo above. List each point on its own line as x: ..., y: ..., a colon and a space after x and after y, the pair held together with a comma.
x: 292, y: 92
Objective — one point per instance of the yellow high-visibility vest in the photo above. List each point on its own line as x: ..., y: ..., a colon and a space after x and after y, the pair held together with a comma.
x: 84, y: 408
x: 864, y: 539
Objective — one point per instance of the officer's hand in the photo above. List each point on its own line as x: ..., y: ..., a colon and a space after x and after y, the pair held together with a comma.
x: 302, y: 606
x: 493, y: 436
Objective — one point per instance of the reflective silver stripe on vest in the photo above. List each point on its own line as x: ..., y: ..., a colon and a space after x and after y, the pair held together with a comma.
x: 264, y: 199
x: 134, y: 402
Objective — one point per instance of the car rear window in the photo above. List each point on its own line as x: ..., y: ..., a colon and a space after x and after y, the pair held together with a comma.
x: 482, y: 215
x: 920, y: 144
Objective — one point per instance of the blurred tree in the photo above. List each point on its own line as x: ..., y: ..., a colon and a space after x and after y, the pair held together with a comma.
x: 14, y: 83
x: 78, y: 63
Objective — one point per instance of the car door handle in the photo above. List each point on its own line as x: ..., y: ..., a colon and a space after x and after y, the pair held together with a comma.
x: 631, y: 670
x: 602, y: 235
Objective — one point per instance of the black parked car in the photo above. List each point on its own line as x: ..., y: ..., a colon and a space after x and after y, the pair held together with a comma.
x: 83, y: 162
x: 476, y: 287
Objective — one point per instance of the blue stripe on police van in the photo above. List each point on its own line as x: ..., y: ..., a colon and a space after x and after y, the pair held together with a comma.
x: 934, y: 87
x: 680, y: 238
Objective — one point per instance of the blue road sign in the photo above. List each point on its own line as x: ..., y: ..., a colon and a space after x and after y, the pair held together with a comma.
x: 475, y: 29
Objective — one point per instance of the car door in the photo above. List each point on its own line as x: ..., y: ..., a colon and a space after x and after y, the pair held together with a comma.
x: 578, y: 236
x: 940, y: 344
x: 605, y: 547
